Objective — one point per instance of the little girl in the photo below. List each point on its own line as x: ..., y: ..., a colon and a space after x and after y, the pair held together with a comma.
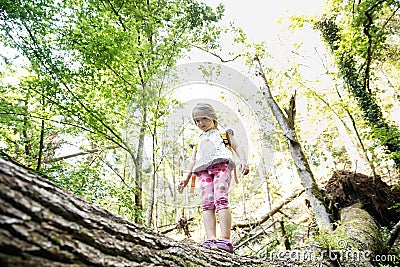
x: 212, y: 163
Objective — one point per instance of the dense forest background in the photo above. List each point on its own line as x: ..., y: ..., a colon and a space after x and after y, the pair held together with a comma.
x: 91, y: 97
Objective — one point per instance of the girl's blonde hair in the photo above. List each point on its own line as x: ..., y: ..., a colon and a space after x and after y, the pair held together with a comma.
x: 205, y: 110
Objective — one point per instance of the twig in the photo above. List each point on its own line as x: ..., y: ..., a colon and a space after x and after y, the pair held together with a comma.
x: 218, y: 56
x: 90, y: 151
x: 274, y: 210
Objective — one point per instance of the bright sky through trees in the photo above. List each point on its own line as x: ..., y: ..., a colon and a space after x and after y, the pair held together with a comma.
x: 262, y: 21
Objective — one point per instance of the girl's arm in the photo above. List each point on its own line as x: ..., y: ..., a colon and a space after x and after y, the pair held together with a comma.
x: 243, y: 167
x: 190, y: 166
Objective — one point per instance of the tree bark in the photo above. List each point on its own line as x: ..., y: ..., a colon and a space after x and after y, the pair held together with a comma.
x: 361, y: 227
x: 41, y: 146
x: 139, y: 168
x: 355, y: 242
x: 43, y: 225
x: 364, y: 240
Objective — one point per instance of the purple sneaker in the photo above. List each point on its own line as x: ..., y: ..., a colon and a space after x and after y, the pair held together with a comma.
x: 209, y: 243
x: 224, y: 245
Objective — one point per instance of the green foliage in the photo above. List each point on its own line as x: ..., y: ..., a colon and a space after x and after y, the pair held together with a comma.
x: 95, y: 73
x: 337, y: 240
x: 358, y: 41
x: 84, y: 179
x: 121, y: 200
x: 81, y: 179
x: 392, y: 256
x: 99, y: 59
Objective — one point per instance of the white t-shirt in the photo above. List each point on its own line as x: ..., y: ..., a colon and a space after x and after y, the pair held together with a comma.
x: 211, y: 150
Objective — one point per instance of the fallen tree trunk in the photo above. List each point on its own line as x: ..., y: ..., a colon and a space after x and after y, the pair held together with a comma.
x: 362, y: 230
x: 44, y: 225
x: 362, y: 242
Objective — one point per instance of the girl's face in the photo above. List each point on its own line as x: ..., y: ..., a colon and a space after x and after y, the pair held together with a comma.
x: 204, y: 123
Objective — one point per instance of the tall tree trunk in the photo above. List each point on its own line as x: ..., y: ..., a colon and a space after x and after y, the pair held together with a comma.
x: 27, y: 137
x: 361, y: 143
x: 41, y: 140
x: 41, y: 146
x: 152, y: 184
x: 139, y: 167
x: 307, y: 178
x: 151, y: 195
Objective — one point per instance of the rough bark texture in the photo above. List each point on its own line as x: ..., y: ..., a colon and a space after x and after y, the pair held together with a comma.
x: 43, y: 225
x: 361, y: 228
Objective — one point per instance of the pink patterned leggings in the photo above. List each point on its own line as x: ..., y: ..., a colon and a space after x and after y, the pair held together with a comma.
x: 214, y: 186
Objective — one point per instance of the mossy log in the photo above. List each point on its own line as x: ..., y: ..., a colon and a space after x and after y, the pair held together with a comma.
x: 355, y: 242
x: 361, y: 228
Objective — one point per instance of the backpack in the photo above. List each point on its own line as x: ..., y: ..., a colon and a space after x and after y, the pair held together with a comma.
x: 227, y: 142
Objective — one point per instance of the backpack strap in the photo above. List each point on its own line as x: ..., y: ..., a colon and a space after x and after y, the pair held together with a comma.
x: 192, y: 185
x: 227, y: 142
x: 226, y: 139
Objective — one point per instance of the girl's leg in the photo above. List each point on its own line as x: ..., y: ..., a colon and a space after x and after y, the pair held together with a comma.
x: 210, y: 223
x: 225, y: 221
x: 222, y: 180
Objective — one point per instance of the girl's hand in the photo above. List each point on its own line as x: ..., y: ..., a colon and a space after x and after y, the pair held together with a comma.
x: 244, y: 168
x: 182, y: 185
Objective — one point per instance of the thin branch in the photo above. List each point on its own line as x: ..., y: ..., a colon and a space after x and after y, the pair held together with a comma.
x: 252, y: 237
x: 111, y: 167
x: 89, y: 151
x: 274, y: 210
x: 393, y: 235
x: 117, y: 14
x: 122, y: 145
x: 218, y: 56
x: 371, y: 164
